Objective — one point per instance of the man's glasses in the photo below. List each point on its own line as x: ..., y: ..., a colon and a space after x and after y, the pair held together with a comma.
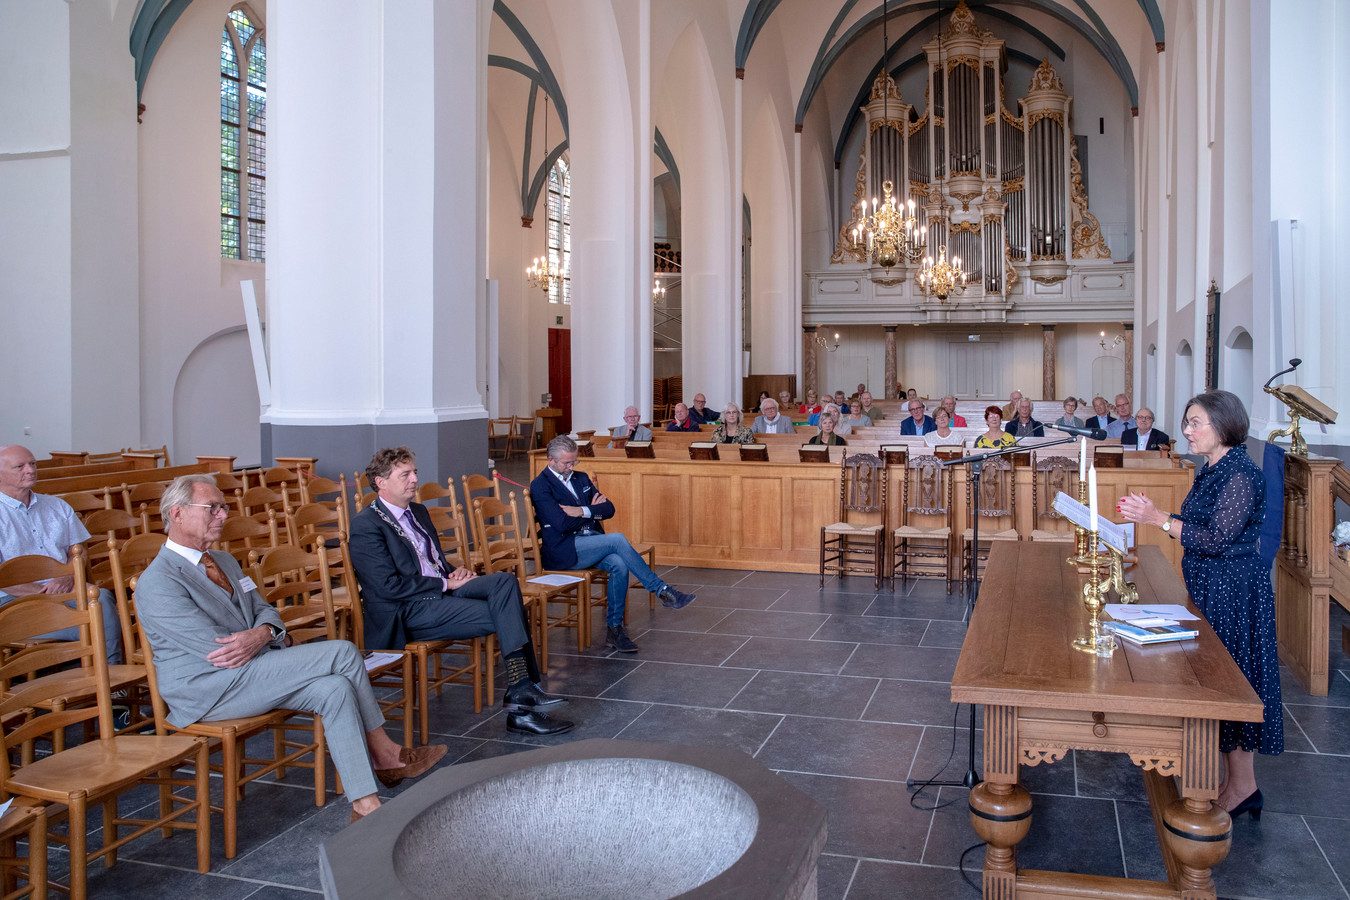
x: 216, y: 508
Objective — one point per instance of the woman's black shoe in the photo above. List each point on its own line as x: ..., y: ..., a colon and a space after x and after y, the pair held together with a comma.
x: 1251, y: 805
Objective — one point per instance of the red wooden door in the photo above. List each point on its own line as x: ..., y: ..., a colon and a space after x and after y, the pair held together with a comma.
x: 560, y: 375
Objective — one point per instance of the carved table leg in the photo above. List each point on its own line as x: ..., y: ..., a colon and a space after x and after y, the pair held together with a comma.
x: 1197, y: 834
x: 1000, y: 808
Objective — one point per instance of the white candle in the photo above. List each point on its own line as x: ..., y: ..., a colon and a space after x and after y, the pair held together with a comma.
x: 1092, y: 496
x: 1082, y: 458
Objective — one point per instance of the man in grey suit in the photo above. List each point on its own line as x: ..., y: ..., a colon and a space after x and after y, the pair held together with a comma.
x: 221, y: 651
x: 771, y: 421
x: 630, y: 428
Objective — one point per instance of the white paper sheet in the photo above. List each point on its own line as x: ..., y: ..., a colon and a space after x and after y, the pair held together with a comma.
x: 1129, y: 612
x: 555, y: 579
x: 1118, y: 537
x: 375, y: 659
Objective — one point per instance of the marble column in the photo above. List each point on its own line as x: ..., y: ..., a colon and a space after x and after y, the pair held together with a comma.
x: 1129, y: 360
x: 809, y: 372
x: 891, y: 368
x: 1048, y: 390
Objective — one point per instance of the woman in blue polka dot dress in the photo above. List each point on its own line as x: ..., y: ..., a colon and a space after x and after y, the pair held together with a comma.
x: 1219, y: 526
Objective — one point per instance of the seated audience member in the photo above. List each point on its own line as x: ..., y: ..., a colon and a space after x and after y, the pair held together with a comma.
x: 570, y: 512
x: 730, y: 430
x: 949, y: 404
x: 812, y: 405
x: 1103, y: 417
x: 942, y: 433
x: 827, y: 434
x: 1013, y: 399
x: 1024, y: 425
x: 856, y: 419
x: 770, y: 420
x: 1069, y: 419
x: 411, y: 593
x: 33, y: 524
x: 868, y: 409
x: 785, y: 401
x: 995, y: 438
x: 221, y: 651
x: 841, y: 426
x: 842, y: 402
x: 630, y: 429
x: 1144, y: 436
x: 1124, y: 418
x: 682, y: 421
x: 912, y: 394
x: 918, y: 423
x: 814, y: 418
x: 759, y: 404
x: 700, y: 412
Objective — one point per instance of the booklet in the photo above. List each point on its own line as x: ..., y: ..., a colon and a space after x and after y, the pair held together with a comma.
x: 554, y: 579
x: 1155, y: 634
x: 1119, y: 537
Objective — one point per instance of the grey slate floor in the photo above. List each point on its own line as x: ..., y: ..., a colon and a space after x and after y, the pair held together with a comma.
x: 843, y: 692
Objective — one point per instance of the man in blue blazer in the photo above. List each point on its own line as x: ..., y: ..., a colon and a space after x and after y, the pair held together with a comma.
x: 570, y: 511
x: 222, y: 652
x: 919, y: 423
x: 411, y: 593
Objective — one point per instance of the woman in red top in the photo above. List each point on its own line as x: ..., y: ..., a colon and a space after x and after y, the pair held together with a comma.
x: 812, y: 404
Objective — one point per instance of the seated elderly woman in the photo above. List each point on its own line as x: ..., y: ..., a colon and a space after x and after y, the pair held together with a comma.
x: 814, y: 418
x: 995, y: 438
x: 1070, y: 417
x: 827, y: 434
x: 856, y: 419
x: 943, y: 434
x: 812, y: 405
x: 730, y: 430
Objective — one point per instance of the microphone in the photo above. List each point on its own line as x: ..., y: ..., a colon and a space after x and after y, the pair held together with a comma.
x: 1096, y: 434
x: 1293, y: 364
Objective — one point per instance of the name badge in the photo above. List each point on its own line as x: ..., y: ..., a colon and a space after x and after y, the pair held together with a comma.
x: 246, y: 584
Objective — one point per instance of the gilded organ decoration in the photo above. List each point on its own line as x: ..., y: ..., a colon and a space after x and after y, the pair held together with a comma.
x: 996, y: 179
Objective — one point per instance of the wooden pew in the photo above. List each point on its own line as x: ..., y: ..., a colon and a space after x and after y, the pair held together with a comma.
x: 116, y: 479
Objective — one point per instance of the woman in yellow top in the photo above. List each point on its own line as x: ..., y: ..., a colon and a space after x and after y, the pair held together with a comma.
x: 995, y: 438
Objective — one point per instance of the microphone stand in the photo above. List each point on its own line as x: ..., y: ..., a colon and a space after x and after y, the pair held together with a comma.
x: 976, y: 463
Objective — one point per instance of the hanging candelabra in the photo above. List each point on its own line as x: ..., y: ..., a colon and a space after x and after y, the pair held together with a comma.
x: 942, y: 278
x: 539, y: 273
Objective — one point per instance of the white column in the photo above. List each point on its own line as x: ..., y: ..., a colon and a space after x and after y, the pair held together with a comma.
x: 376, y: 285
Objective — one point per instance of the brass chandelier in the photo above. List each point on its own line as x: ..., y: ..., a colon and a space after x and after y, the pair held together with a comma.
x: 539, y: 274
x: 941, y: 278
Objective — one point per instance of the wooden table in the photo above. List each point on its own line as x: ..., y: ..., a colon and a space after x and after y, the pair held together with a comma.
x: 1159, y: 705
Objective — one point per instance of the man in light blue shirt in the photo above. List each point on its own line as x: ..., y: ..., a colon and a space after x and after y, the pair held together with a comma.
x: 37, y: 525
x: 1124, y: 417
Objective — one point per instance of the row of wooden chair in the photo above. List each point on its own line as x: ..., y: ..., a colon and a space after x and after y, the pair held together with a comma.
x: 509, y: 435
x: 926, y: 542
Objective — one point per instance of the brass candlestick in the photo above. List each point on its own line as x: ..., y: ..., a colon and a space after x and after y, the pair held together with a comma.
x: 1080, y: 547
x: 1127, y: 590
x: 1094, y: 593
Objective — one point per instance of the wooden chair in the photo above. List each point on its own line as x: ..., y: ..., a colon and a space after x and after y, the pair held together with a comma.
x: 299, y: 586
x: 229, y: 737
x: 68, y: 687
x: 452, y: 530
x: 1051, y: 475
x: 521, y: 438
x: 96, y: 772
x: 105, y: 525
x: 499, y: 436
x: 142, y: 501
x: 998, y: 514
x: 259, y: 500
x: 232, y: 486
x: 600, y: 578
x: 588, y: 577
x: 129, y: 559
x: 855, y: 543
x: 575, y: 598
x: 394, y: 682
x: 506, y: 531
x: 330, y: 493
x: 240, y: 535
x: 85, y: 502
x: 284, y: 481
x: 924, y: 543
x: 27, y: 823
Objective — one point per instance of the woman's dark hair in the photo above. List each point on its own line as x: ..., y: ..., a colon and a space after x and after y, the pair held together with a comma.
x: 1226, y: 414
x: 994, y: 410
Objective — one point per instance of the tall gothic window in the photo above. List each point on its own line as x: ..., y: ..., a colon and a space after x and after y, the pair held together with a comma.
x: 243, y: 137
x: 560, y: 230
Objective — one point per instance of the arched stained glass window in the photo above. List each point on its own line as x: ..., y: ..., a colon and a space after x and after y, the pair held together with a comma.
x: 243, y: 136
x: 560, y: 230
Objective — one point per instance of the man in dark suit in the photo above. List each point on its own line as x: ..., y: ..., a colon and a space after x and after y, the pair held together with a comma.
x: 570, y: 510
x: 1144, y: 436
x: 412, y: 593
x: 222, y: 652
x: 919, y: 423
x: 1103, y: 415
x: 1024, y: 425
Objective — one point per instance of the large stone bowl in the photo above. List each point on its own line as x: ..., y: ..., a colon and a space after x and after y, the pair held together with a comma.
x: 595, y: 819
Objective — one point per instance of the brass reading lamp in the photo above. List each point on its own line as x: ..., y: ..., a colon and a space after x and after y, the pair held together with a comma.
x: 1300, y: 404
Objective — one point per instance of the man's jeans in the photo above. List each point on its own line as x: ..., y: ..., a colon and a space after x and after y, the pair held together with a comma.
x: 615, y: 555
x: 112, y: 626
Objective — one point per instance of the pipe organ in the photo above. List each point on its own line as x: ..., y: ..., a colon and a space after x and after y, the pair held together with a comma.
x: 1003, y: 192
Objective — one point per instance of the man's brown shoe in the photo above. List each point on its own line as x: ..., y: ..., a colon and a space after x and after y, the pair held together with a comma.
x: 356, y: 816
x: 415, y: 762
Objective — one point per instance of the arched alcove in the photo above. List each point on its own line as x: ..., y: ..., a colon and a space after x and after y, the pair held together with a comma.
x: 1235, y: 368
x: 215, y: 401
x: 1185, y: 382
x: 1108, y: 376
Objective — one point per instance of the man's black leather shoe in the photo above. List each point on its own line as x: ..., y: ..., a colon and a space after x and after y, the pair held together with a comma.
x: 675, y: 599
x: 527, y: 696
x: 531, y: 722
